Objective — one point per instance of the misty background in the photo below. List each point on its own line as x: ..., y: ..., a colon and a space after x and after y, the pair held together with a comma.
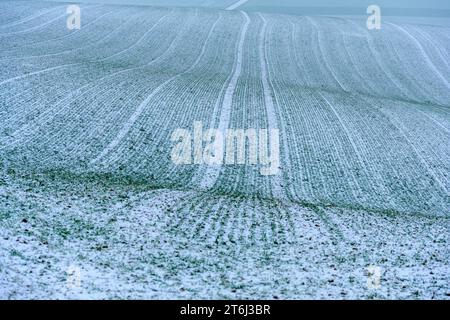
x: 434, y: 12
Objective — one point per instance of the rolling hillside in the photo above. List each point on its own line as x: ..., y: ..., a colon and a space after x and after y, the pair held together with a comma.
x: 86, y: 118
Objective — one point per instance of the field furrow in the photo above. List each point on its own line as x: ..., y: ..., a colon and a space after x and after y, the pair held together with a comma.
x: 106, y: 153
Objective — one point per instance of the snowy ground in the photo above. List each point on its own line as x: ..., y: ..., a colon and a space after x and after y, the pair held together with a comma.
x: 87, y: 182
x: 130, y: 242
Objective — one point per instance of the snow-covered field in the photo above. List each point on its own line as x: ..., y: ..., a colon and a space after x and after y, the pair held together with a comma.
x: 87, y: 181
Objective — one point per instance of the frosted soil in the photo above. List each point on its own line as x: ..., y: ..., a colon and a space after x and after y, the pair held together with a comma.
x: 130, y: 242
x: 87, y: 181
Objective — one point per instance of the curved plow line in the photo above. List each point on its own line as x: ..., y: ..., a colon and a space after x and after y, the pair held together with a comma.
x: 230, y: 223
x: 25, y: 107
x: 419, y: 156
x: 377, y: 59
x: 370, y: 46
x: 267, y: 89
x: 290, y: 114
x: 137, y: 42
x: 97, y: 79
x: 319, y: 33
x: 140, y: 109
x: 75, y: 94
x: 415, y: 79
x: 424, y: 54
x: 433, y: 120
x: 336, y: 147
x: 147, y: 153
x: 37, y: 73
x: 139, y: 159
x: 83, y: 147
x: 325, y: 136
x: 71, y: 50
x: 243, y: 226
x: 7, y: 116
x: 129, y: 124
x: 356, y: 151
x: 9, y: 100
x: 61, y: 139
x: 294, y: 57
x: 184, y: 95
x: 26, y: 131
x: 34, y: 28
x: 293, y: 51
x: 200, y: 172
x: 420, y: 138
x: 332, y: 227
x: 31, y: 17
x: 83, y: 141
x: 88, y: 101
x: 355, y: 65
x: 441, y: 52
x: 199, y: 83
x: 15, y: 96
x: 441, y: 108
x: 360, y: 158
x: 170, y: 95
x: 74, y: 64
x: 352, y: 142
x: 168, y: 171
x: 212, y: 174
x: 369, y: 140
x: 73, y: 32
x: 391, y: 161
